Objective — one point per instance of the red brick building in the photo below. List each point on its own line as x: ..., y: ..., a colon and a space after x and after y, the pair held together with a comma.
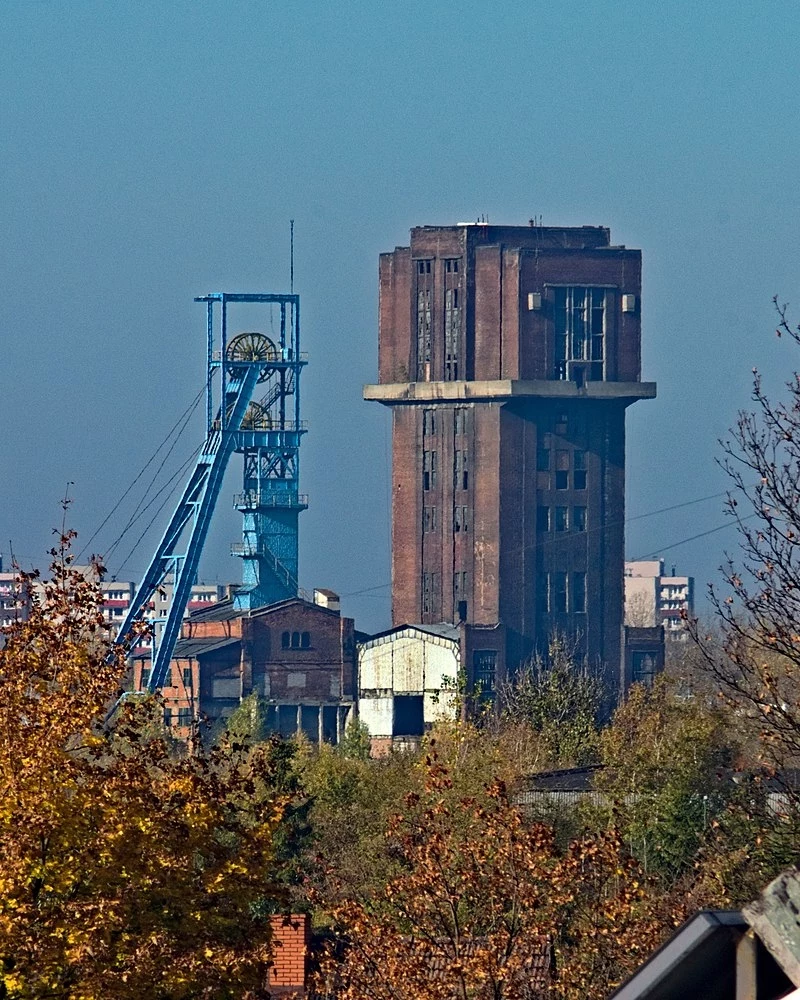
x: 298, y: 655
x: 508, y: 355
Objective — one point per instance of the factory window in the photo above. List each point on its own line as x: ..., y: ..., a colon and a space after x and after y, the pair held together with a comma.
x: 184, y: 716
x: 543, y: 593
x: 579, y: 464
x: 558, y: 592
x: 643, y: 668
x: 145, y: 679
x: 285, y: 640
x: 459, y: 584
x: 560, y: 423
x: 329, y: 734
x: 428, y: 470
x: 428, y: 422
x: 579, y: 518
x: 423, y: 334
x: 430, y: 587
x: 543, y: 459
x: 287, y: 720
x: 451, y: 265
x: 187, y: 676
x: 452, y: 331
x: 423, y: 267
x: 562, y: 470
x: 460, y: 518
x: 295, y: 640
x: 429, y: 519
x: 309, y: 722
x: 409, y: 717
x: 579, y: 593
x: 542, y: 518
x: 561, y: 519
x: 460, y: 472
x: 580, y: 322
x: 305, y: 640
x: 484, y: 670
x: 167, y: 716
x: 460, y: 420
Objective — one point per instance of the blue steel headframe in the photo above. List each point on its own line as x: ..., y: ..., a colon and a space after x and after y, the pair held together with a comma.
x: 267, y: 434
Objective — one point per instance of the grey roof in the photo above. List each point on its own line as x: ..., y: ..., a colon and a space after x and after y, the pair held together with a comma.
x: 219, y: 611
x: 199, y: 647
x: 443, y: 629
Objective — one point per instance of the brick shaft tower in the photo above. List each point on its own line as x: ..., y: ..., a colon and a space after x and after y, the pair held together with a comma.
x: 509, y: 355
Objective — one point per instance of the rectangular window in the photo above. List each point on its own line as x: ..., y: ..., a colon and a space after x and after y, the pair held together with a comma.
x: 579, y: 465
x: 543, y: 459
x: 145, y: 679
x: 484, y: 670
x: 428, y: 422
x: 460, y: 518
x: 561, y: 519
x: 460, y: 472
x: 579, y: 328
x: 460, y: 420
x: 452, y: 333
x: 543, y: 593
x: 451, y: 266
x: 430, y: 593
x: 579, y: 519
x: 187, y: 677
x: 558, y: 592
x: 428, y: 470
x: 542, y: 518
x: 184, y: 716
x: 579, y: 593
x: 562, y: 480
x: 423, y: 329
x: 459, y: 584
x: 167, y: 716
x: 643, y: 667
x: 429, y: 519
x: 580, y: 480
x: 408, y: 716
x: 423, y: 267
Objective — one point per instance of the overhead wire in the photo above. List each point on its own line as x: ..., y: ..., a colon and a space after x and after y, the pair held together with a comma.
x: 182, y: 419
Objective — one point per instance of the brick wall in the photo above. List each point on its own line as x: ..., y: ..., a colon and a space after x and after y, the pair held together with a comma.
x: 290, y: 940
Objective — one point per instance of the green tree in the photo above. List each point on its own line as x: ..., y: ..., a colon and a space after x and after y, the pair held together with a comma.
x: 560, y: 700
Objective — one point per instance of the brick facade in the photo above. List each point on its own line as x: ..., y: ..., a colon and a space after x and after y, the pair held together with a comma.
x: 508, y: 356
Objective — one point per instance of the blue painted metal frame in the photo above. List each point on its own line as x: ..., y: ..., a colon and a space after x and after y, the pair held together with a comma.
x: 268, y: 436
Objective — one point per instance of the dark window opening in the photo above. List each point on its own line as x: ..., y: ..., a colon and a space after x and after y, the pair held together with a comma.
x: 484, y: 670
x: 423, y: 267
x: 561, y: 519
x: 543, y: 459
x: 562, y: 480
x: 452, y: 334
x: 187, y: 677
x: 305, y: 640
x: 329, y: 734
x: 184, y: 716
x: 462, y: 611
x: 451, y: 266
x: 558, y: 592
x: 167, y: 717
x: 580, y: 480
x: 460, y: 471
x: 579, y: 518
x: 430, y: 593
x: 542, y: 518
x: 145, y: 679
x: 429, y: 519
x: 460, y: 420
x: 287, y: 720
x: 423, y: 334
x: 309, y: 722
x: 460, y: 518
x: 285, y: 640
x: 579, y: 593
x: 428, y: 422
x: 295, y: 640
x: 409, y: 718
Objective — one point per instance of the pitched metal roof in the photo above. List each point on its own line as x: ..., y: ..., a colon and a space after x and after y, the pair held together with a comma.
x: 199, y: 647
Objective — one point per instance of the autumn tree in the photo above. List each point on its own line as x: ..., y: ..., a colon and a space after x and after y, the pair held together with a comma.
x: 126, y: 870
x: 758, y: 666
x: 483, y: 905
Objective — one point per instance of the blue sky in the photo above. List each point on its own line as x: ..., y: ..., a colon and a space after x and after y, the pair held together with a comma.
x: 153, y: 151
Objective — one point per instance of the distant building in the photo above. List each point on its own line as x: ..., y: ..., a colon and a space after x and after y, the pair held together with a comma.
x: 298, y: 655
x: 508, y: 356
x: 13, y: 602
x: 414, y: 675
x: 653, y: 599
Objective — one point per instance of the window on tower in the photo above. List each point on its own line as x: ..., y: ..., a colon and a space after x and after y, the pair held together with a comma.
x: 580, y: 327
x: 460, y: 518
x: 579, y: 465
x: 452, y: 332
x: 429, y: 519
x: 428, y: 470
x: 579, y: 593
x: 428, y: 422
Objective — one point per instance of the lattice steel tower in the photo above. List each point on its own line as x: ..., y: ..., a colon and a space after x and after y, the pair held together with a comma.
x: 267, y: 433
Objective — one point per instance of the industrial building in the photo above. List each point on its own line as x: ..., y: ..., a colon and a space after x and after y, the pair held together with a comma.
x: 508, y: 356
